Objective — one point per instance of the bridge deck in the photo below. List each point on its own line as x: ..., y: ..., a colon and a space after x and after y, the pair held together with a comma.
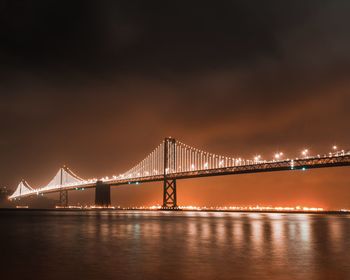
x: 271, y: 166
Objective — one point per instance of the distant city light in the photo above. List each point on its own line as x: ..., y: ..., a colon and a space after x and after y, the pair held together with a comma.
x: 256, y: 208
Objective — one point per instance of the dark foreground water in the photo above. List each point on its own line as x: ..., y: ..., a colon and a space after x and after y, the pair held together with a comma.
x: 173, y: 245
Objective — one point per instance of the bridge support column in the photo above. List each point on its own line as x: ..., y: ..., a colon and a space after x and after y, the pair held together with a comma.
x: 169, y: 194
x: 64, y: 198
x: 169, y: 186
x: 102, y: 195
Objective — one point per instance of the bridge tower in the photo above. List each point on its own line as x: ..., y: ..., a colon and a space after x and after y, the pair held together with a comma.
x: 169, y: 185
x: 63, y: 193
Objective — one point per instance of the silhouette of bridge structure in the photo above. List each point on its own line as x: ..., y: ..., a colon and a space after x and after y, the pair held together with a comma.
x: 173, y: 160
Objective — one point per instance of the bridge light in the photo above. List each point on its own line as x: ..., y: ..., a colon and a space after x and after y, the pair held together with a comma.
x: 305, y: 152
x: 335, y: 148
x: 278, y: 155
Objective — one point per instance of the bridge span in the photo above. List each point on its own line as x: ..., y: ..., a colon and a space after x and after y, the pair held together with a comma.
x: 171, y: 161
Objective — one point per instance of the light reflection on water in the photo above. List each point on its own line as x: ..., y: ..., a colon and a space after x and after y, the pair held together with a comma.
x: 174, y: 245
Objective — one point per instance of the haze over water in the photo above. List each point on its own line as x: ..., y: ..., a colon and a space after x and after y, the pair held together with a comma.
x: 173, y: 245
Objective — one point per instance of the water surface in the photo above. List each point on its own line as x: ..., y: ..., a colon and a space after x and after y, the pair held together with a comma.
x: 173, y: 245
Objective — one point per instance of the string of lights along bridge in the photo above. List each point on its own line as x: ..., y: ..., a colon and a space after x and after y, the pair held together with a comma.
x: 173, y: 160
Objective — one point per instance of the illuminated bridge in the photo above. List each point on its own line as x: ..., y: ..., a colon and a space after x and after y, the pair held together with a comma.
x: 173, y: 160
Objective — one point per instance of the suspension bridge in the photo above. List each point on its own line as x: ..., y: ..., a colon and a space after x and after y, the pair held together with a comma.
x: 173, y: 160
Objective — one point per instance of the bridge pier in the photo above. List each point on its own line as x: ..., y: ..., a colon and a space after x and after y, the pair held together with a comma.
x: 169, y: 194
x: 102, y: 194
x: 169, y: 185
x: 64, y: 198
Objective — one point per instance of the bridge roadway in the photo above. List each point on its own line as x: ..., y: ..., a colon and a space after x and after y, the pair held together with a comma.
x: 266, y: 166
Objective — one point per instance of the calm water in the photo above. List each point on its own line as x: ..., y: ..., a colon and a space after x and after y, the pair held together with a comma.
x: 174, y: 245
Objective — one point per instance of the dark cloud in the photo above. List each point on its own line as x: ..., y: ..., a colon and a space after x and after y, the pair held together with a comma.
x: 97, y: 84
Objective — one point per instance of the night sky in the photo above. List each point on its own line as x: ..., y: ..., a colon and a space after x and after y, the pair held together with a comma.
x: 97, y: 85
